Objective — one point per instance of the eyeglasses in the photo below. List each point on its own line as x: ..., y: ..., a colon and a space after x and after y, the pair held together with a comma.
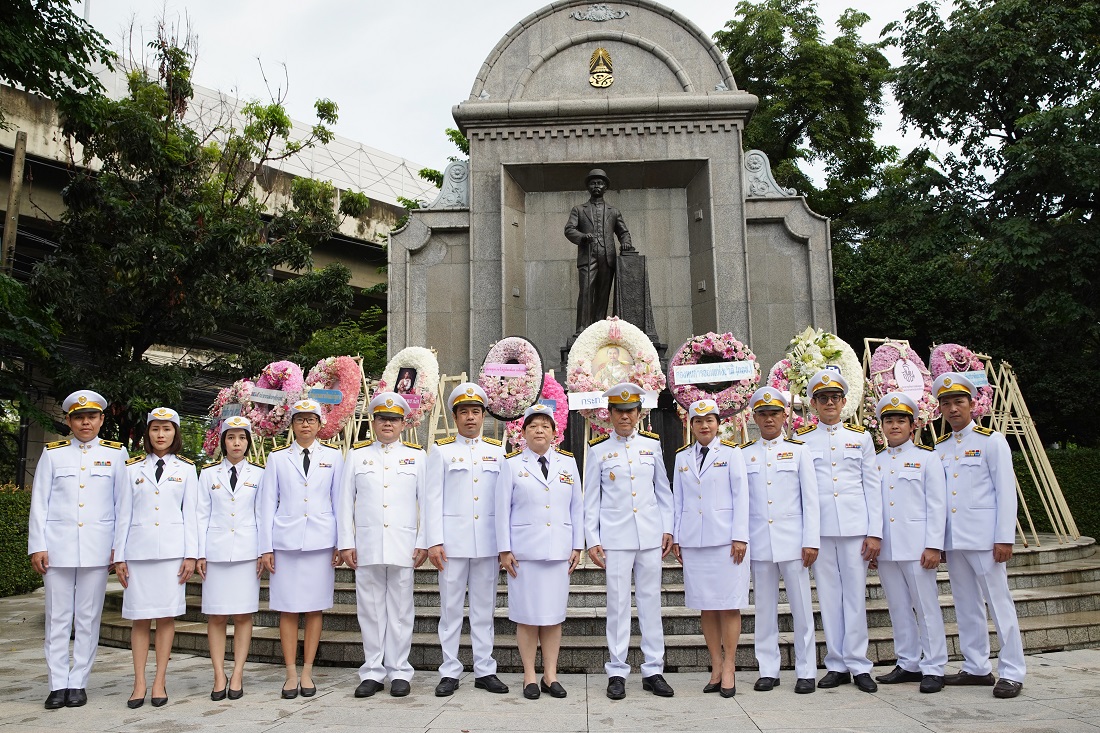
x: 829, y: 398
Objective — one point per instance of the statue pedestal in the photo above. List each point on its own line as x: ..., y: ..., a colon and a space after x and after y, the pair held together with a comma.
x: 632, y: 301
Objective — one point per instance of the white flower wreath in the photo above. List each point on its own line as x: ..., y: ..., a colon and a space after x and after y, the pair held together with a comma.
x: 812, y: 350
x: 427, y: 379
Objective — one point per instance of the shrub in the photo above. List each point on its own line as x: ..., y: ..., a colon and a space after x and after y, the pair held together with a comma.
x: 16, y: 575
x: 1078, y: 473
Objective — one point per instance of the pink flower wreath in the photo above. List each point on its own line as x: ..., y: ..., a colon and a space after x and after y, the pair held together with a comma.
x: 956, y: 358
x: 344, y: 374
x: 551, y: 390
x: 271, y: 420
x: 721, y: 347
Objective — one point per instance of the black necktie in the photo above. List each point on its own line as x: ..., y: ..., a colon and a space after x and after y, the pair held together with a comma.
x: 233, y: 477
x: 305, y: 461
x: 703, y: 455
x: 160, y: 468
x: 545, y: 466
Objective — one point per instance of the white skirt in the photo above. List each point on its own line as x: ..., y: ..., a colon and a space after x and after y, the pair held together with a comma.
x: 302, y: 581
x: 153, y: 590
x: 712, y: 581
x: 538, y: 596
x: 230, y: 588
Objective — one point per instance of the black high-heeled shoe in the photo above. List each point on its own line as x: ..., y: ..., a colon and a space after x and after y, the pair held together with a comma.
x: 135, y: 702
x: 291, y: 693
x: 218, y: 695
x: 159, y: 702
x: 236, y: 694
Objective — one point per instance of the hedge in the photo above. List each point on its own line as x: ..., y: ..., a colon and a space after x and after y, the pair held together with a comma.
x: 16, y: 575
x: 1078, y: 472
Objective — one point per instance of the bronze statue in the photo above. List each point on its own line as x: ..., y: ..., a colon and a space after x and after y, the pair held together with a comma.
x: 593, y: 227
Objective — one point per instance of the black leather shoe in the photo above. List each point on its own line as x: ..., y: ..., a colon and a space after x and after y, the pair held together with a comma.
x: 531, y: 691
x: 766, y: 684
x: 307, y: 691
x: 713, y: 687
x: 367, y: 688
x: 931, y: 683
x: 218, y: 695
x: 1006, y: 688
x: 399, y: 688
x: 656, y: 684
x: 446, y: 687
x: 898, y: 675
x: 865, y: 683
x: 965, y: 678
x: 236, y: 694
x: 56, y: 699
x: 616, y: 688
x: 834, y: 679
x: 135, y: 702
x: 76, y: 698
x: 554, y: 689
x: 159, y: 702
x: 490, y: 683
x: 728, y: 691
x: 291, y: 693
x: 804, y: 686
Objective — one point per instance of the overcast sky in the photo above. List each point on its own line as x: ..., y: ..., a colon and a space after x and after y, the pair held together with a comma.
x: 394, y: 68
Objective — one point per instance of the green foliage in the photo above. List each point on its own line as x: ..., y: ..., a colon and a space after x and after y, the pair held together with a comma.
x: 436, y: 177
x: 1076, y: 469
x: 47, y: 49
x: 16, y: 575
x: 365, y: 338
x: 28, y: 339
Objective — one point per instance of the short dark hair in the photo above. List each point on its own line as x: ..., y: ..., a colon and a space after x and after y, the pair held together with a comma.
x: 527, y: 420
x: 247, y: 434
x: 177, y: 441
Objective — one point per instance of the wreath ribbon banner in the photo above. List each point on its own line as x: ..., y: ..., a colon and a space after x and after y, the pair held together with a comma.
x: 596, y: 400
x: 268, y: 396
x: 326, y: 396
x: 505, y: 370
x: 725, y: 371
x: 978, y: 378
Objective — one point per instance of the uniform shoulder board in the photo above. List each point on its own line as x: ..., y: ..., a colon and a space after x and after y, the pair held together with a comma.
x: 414, y: 446
x: 792, y: 440
x: 110, y: 443
x: 747, y: 444
x: 597, y: 441
x: 927, y: 448
x: 185, y: 459
x: 445, y: 441
x: 730, y: 443
x: 982, y: 431
x: 255, y: 463
x: 493, y: 441
x: 805, y: 429
x: 362, y: 443
x: 855, y: 428
x: 880, y: 450
x: 513, y: 454
x: 276, y: 450
x: 942, y: 438
x: 210, y: 465
x: 683, y: 447
x: 563, y: 451
x: 648, y: 434
x: 57, y: 444
x: 136, y: 459
x: 331, y: 444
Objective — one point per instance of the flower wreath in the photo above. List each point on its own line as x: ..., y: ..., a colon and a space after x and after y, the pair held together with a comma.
x: 551, y: 390
x: 956, y: 358
x: 238, y: 393
x: 883, y: 362
x: 344, y: 374
x: 709, y: 348
x: 427, y: 380
x: 777, y: 378
x: 510, y: 396
x: 646, y: 371
x: 813, y: 350
x: 271, y: 420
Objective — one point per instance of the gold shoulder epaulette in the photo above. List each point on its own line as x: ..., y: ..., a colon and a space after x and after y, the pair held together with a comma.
x: 648, y: 434
x: 880, y: 450
x: 855, y: 428
x: 210, y: 465
x: 255, y: 463
x: 684, y: 447
x: 730, y: 443
x: 942, y: 438
x: 513, y: 454
x: 136, y: 459
x: 805, y: 429
x: 748, y: 443
x: 415, y: 446
x: 493, y: 441
x: 445, y: 441
x: 362, y: 443
x: 331, y: 444
x: 982, y: 431
x: 185, y: 459
x: 57, y: 444
x: 796, y: 442
x: 597, y: 441
x: 927, y: 448
x: 563, y: 451
x: 110, y: 443
x: 276, y: 450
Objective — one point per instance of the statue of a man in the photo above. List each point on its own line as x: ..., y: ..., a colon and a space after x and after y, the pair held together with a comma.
x: 593, y: 227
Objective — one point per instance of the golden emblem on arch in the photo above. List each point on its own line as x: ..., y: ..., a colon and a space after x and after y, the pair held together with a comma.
x: 599, y: 68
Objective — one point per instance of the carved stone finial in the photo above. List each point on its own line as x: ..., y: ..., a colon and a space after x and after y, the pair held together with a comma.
x: 759, y: 181
x: 599, y: 12
x: 721, y: 87
x: 455, y: 193
x: 484, y: 95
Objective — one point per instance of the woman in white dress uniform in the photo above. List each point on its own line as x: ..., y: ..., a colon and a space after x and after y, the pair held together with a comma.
x: 229, y: 552
x: 540, y: 536
x: 298, y: 500
x: 156, y: 545
x: 711, y: 534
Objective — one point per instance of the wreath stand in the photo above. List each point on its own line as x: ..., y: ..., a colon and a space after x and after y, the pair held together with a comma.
x: 441, y: 422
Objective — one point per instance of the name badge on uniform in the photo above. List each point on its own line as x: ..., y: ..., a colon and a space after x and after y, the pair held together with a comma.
x: 973, y: 454
x: 489, y: 459
x: 853, y: 445
x: 101, y: 463
x: 720, y: 464
x: 645, y: 452
x: 251, y: 486
x: 784, y: 456
x: 407, y: 462
x: 177, y: 479
x: 907, y: 464
x: 324, y: 465
x: 565, y: 477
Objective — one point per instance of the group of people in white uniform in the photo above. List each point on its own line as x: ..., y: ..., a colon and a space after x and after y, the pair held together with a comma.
x: 772, y: 507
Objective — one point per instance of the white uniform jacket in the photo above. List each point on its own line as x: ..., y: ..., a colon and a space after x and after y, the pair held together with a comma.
x: 381, y: 498
x: 847, y: 483
x: 462, y: 478
x: 158, y: 520
x: 229, y: 518
x: 783, y: 508
x: 981, y: 488
x: 73, y: 497
x: 711, y: 503
x: 299, y: 512
x: 914, y: 502
x: 540, y: 518
x: 627, y: 499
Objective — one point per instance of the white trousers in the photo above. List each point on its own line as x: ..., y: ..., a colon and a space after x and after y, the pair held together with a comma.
x: 480, y: 575
x: 976, y: 581
x: 765, y: 581
x: 841, y: 575
x: 646, y: 565
x: 384, y: 596
x: 74, y: 596
x: 915, y: 615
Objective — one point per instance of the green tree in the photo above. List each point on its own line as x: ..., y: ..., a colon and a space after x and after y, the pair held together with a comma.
x: 363, y: 337
x: 171, y: 243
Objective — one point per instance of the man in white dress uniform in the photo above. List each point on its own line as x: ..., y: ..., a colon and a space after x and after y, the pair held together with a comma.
x: 381, y: 539
x: 459, y: 521
x: 784, y: 537
x: 628, y: 526
x: 71, y: 531
x: 914, y: 509
x: 850, y: 499
x: 981, y: 529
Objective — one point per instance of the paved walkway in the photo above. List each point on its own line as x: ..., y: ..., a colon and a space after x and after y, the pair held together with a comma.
x: 1061, y: 695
